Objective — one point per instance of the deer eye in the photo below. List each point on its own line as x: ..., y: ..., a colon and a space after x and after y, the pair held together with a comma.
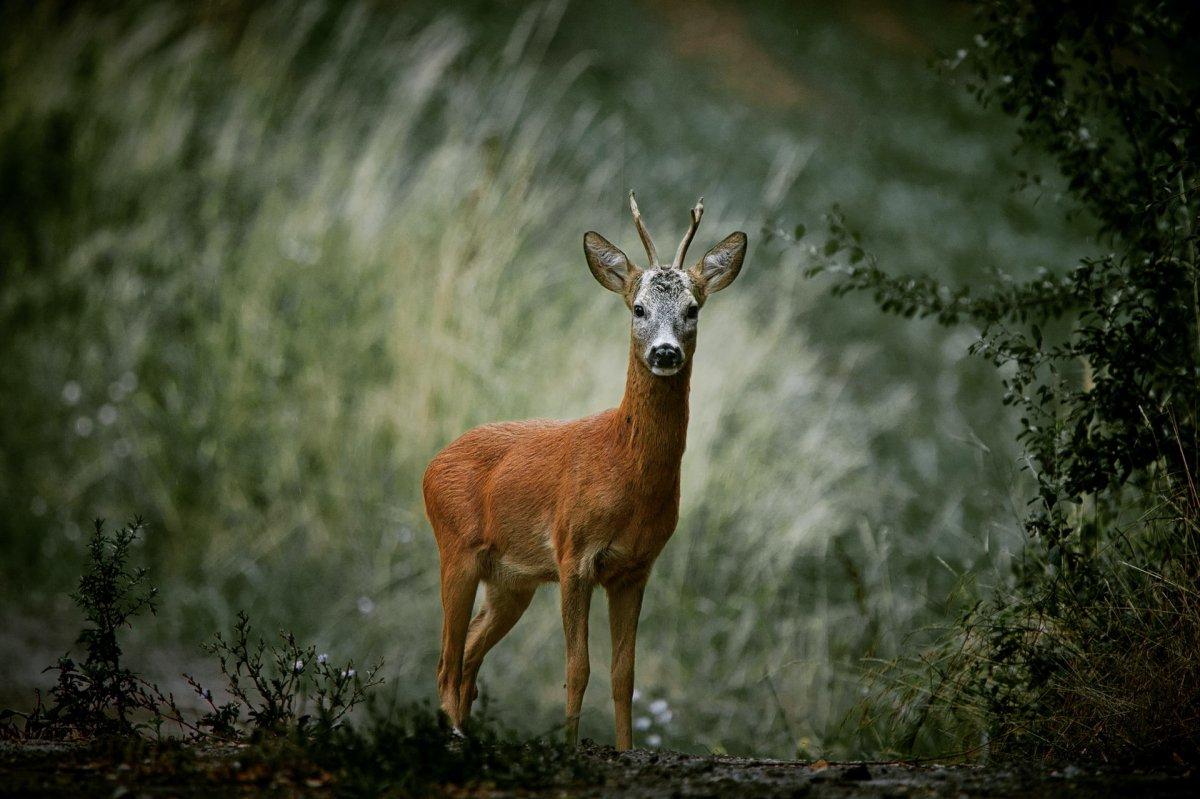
x: 693, y: 311
x: 639, y: 311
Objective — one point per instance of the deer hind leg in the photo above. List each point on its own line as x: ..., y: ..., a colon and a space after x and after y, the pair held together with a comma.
x: 459, y: 583
x: 502, y: 606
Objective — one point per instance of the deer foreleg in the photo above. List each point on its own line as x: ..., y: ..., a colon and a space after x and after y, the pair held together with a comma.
x: 624, y: 606
x: 576, y: 600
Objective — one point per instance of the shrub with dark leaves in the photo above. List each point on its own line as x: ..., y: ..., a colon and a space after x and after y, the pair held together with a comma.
x: 281, y: 689
x: 404, y: 751
x: 1103, y: 361
x: 286, y: 690
x: 98, y: 695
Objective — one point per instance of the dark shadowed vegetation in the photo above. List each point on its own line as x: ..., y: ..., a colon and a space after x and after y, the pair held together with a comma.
x: 279, y: 721
x: 1093, y: 654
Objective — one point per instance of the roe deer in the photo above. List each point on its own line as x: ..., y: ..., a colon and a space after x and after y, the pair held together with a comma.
x: 587, y: 502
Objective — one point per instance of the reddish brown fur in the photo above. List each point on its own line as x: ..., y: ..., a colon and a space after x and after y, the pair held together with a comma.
x: 589, y: 502
x: 605, y: 486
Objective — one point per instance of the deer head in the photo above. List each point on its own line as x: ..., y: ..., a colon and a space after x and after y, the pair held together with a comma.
x: 665, y: 300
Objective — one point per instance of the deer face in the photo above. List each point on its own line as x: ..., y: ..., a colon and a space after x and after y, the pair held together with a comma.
x: 665, y: 301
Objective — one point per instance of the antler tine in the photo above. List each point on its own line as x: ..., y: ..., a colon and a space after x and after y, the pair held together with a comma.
x: 697, y: 212
x: 647, y: 242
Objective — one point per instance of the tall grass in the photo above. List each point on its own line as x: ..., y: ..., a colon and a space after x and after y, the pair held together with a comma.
x: 1096, y: 662
x: 264, y: 266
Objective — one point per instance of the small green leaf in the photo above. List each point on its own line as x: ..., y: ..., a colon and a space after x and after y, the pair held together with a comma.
x: 800, y: 231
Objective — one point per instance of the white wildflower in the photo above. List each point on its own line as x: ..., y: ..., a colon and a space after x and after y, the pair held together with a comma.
x: 642, y: 723
x: 323, y: 658
x: 654, y: 740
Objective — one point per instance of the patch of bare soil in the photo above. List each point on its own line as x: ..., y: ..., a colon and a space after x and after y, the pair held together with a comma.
x: 669, y: 774
x: 41, y: 770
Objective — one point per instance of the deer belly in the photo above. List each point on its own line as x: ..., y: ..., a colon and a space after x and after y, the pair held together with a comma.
x: 529, y: 557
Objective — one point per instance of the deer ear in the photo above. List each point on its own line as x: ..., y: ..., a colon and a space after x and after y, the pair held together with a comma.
x: 609, y: 265
x: 721, y: 264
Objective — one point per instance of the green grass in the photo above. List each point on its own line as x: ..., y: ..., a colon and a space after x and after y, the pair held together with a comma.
x: 262, y: 264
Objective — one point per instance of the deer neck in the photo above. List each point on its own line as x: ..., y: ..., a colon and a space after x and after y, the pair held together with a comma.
x: 653, y: 416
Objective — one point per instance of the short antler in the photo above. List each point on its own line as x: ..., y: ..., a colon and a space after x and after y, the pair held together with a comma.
x: 697, y: 212
x: 647, y: 242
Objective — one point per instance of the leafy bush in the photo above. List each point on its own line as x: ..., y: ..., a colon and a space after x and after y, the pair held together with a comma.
x: 1102, y: 666
x: 407, y: 749
x: 1103, y: 363
x: 272, y: 686
x: 403, y: 750
x: 100, y: 695
x: 1108, y: 396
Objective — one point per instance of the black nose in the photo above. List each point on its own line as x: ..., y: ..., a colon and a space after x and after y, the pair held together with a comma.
x: 666, y: 356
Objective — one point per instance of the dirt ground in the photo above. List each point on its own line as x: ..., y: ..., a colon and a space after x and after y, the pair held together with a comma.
x: 46, y: 771
x: 659, y: 774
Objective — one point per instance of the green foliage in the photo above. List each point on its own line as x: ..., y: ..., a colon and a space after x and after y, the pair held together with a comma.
x: 1112, y: 402
x: 100, y: 695
x: 284, y: 690
x: 1103, y: 363
x: 1098, y: 664
x: 403, y: 751
x: 272, y: 686
x: 407, y: 750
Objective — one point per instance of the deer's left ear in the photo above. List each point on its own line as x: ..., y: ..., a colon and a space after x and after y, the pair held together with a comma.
x: 720, y: 265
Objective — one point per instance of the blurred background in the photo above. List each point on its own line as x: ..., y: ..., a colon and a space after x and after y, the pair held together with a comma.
x: 259, y: 262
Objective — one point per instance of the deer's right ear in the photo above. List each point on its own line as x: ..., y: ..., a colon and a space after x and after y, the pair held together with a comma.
x: 609, y: 265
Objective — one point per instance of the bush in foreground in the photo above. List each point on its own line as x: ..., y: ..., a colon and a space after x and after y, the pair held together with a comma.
x: 1094, y: 653
x: 285, y: 711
